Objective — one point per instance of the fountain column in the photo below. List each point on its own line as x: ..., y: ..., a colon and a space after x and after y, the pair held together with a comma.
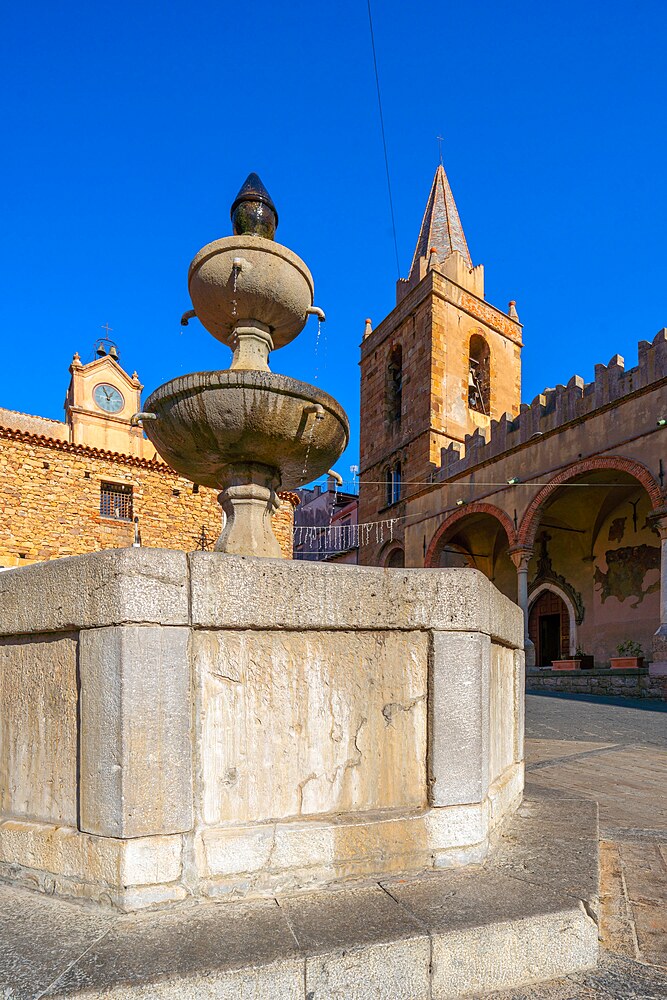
x: 249, y: 500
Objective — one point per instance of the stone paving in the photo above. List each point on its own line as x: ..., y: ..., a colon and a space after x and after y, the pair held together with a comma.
x: 615, y: 752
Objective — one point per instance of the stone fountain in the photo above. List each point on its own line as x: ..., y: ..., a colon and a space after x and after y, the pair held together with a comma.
x: 245, y: 430
x: 187, y: 727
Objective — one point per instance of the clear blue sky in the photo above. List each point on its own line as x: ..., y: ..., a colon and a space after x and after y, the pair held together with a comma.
x: 129, y: 128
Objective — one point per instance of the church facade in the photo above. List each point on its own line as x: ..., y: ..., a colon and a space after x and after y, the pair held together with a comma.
x: 562, y: 502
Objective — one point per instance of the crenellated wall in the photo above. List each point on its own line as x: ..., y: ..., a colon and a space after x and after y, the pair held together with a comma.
x: 556, y: 407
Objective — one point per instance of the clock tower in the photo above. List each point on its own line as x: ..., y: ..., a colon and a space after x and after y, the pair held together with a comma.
x: 100, y: 401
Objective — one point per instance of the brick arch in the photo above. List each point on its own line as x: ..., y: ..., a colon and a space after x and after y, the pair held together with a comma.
x: 479, y: 507
x: 531, y: 519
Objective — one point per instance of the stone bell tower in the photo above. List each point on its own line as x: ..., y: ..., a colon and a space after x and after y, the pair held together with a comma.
x: 443, y: 363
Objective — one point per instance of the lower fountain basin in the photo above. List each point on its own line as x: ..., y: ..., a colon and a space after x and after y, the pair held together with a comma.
x: 206, y: 421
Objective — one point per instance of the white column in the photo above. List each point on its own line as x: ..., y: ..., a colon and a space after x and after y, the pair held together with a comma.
x: 659, y: 665
x: 521, y: 558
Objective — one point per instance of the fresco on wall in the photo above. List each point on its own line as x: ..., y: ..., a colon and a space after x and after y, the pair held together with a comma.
x: 626, y: 571
x: 617, y: 529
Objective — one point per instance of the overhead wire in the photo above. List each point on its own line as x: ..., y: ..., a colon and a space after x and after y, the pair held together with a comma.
x: 384, y: 139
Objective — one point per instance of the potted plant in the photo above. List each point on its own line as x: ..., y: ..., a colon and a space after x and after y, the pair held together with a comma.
x: 630, y: 656
x: 571, y: 664
x: 586, y: 661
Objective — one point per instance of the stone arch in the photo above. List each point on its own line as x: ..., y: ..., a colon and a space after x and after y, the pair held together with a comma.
x: 537, y: 592
x: 459, y: 514
x: 393, y: 556
x: 531, y: 519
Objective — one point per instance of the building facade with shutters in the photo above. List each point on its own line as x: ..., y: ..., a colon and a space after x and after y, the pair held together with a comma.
x: 562, y: 502
x: 93, y: 481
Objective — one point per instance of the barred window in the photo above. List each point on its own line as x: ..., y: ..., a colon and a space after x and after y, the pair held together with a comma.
x: 116, y: 501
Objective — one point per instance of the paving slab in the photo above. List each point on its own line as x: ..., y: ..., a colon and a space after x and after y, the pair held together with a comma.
x: 613, y: 752
x: 170, y: 954
x: 429, y: 937
x: 40, y: 937
x: 614, y: 979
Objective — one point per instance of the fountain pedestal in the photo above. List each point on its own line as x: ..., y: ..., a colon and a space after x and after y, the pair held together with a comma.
x: 249, y: 500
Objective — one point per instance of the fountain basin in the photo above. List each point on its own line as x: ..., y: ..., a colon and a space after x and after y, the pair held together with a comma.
x: 207, y: 421
x: 269, y: 284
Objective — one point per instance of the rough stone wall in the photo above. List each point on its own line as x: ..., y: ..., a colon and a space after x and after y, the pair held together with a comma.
x: 50, y: 502
x: 620, y: 683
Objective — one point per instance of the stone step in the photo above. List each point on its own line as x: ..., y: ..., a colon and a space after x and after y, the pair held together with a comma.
x: 527, y: 915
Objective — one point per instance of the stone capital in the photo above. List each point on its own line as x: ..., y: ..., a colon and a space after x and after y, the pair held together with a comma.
x: 658, y: 520
x: 521, y: 556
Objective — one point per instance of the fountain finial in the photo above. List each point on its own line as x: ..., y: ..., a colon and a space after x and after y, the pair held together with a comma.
x: 253, y: 212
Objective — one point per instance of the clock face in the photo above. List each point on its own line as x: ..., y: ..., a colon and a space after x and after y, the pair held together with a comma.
x: 108, y: 398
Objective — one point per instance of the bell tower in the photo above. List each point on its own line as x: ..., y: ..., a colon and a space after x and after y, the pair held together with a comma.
x: 443, y: 363
x: 100, y: 402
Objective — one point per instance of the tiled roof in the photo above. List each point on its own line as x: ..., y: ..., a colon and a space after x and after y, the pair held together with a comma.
x: 441, y: 227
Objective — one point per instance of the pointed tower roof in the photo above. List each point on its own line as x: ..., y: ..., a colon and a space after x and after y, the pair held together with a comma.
x: 441, y: 228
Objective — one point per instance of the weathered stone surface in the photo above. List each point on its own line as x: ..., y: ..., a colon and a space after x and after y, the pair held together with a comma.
x: 492, y: 931
x: 38, y: 728
x: 529, y: 948
x: 614, y: 979
x: 40, y: 938
x: 135, y: 752
x: 358, y: 943
x: 502, y: 722
x: 393, y: 971
x: 309, y: 743
x: 209, y: 952
x: 237, y: 592
x: 569, y: 831
x: 259, y: 860
x: 440, y: 935
x: 103, y: 588
x: 519, y: 704
x: 62, y: 859
x: 505, y: 794
x: 297, y: 724
x: 459, y: 707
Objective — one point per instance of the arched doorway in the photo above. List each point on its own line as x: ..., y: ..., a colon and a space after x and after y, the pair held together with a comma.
x: 549, y: 628
x: 394, y: 558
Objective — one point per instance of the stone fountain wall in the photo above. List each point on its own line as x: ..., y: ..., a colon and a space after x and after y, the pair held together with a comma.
x: 209, y: 725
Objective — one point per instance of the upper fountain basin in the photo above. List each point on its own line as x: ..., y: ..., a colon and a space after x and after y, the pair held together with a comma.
x: 207, y: 420
x: 250, y: 278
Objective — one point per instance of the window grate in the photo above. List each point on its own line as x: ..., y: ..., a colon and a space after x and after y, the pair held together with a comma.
x: 116, y: 501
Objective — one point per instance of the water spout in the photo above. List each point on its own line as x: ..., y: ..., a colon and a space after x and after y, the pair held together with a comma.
x: 187, y: 316
x: 316, y: 311
x: 136, y: 418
